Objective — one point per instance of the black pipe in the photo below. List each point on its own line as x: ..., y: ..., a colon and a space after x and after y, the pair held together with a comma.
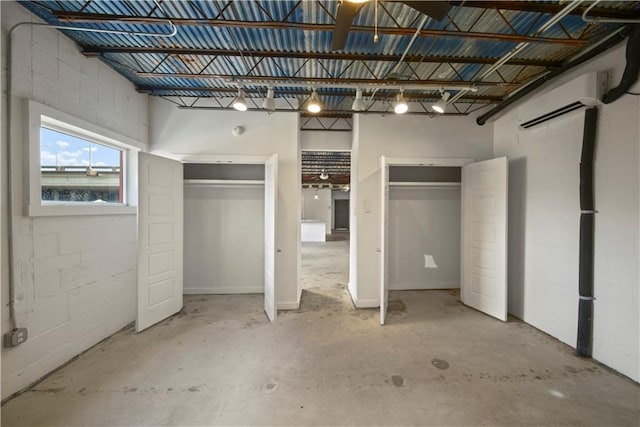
x: 587, y: 229
x: 630, y: 75
x: 604, y: 46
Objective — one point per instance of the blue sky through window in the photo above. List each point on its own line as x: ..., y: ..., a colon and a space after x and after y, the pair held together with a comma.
x: 61, y: 149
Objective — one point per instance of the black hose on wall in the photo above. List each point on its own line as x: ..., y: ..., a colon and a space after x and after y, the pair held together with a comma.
x: 631, y: 70
x: 587, y: 230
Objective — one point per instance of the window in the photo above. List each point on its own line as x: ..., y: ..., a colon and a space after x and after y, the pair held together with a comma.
x: 78, y: 168
x: 74, y: 169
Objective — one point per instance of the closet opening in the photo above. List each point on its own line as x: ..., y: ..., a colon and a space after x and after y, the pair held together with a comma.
x: 224, y: 229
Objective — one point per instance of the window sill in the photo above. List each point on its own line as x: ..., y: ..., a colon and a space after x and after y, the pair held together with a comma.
x: 78, y: 209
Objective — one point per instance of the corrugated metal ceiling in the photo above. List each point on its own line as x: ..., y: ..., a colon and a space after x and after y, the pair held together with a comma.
x: 257, y: 40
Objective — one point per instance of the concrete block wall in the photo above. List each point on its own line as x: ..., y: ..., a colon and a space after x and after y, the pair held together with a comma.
x: 75, y: 276
x: 544, y: 220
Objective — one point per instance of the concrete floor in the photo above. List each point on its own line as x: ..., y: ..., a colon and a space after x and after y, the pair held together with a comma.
x: 437, y: 362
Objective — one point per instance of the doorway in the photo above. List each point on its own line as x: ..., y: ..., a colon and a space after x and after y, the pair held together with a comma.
x: 324, y: 222
x: 482, y: 229
x: 341, y: 215
x: 161, y: 225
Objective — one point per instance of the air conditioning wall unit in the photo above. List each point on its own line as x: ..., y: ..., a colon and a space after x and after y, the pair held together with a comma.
x: 583, y: 91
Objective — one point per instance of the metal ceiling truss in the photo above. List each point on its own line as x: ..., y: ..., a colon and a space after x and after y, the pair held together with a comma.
x: 335, y: 124
x: 78, y: 17
x: 335, y: 164
x: 187, y: 75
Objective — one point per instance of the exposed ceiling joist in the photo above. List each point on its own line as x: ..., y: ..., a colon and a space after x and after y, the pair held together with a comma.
x: 381, y: 83
x: 97, y: 51
x: 158, y: 90
x: 78, y: 17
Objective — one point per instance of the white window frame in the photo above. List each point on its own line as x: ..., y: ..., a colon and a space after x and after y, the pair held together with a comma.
x: 44, y: 116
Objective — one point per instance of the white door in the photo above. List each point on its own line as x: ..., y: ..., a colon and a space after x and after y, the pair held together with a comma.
x: 384, y: 238
x: 484, y: 236
x: 270, y: 212
x: 160, y: 231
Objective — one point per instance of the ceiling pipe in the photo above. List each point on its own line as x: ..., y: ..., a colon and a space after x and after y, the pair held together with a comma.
x: 588, y: 212
x: 601, y: 47
x: 11, y: 199
x: 631, y: 70
x: 411, y: 42
x: 520, y: 46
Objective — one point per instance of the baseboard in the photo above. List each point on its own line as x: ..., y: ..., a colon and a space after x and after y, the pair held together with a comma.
x: 352, y: 293
x: 293, y: 305
x: 218, y: 291
x: 361, y: 303
x: 367, y: 303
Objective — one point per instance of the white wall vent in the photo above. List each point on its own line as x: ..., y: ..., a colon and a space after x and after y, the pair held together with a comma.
x: 585, y: 90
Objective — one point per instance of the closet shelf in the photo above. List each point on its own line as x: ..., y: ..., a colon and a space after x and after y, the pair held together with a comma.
x: 426, y: 184
x: 223, y: 183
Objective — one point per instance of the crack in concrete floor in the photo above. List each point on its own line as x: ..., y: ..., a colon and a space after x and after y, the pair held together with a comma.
x: 220, y: 362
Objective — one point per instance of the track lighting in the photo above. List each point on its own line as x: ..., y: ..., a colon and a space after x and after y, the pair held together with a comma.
x: 314, y: 105
x: 358, y: 103
x: 240, y: 103
x: 439, y: 106
x: 323, y: 175
x: 400, y: 106
x: 269, y: 102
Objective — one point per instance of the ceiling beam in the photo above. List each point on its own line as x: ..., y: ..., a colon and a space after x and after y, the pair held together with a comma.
x: 155, y: 90
x: 381, y: 83
x: 92, y: 51
x: 327, y: 113
x: 77, y: 17
x: 551, y: 8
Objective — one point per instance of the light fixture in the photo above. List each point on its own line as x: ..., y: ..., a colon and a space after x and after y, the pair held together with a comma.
x: 357, y: 1
x: 240, y: 103
x: 269, y: 102
x: 400, y: 106
x: 315, y: 196
x: 358, y: 103
x: 439, y: 106
x: 323, y: 175
x: 314, y: 105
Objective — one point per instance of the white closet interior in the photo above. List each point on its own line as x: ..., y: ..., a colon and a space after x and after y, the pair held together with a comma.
x: 424, y: 227
x: 223, y: 228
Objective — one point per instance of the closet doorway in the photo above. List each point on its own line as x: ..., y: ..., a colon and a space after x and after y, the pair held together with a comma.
x: 443, y: 202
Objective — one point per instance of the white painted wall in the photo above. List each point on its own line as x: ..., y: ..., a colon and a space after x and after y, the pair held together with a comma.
x: 202, y: 135
x: 544, y: 222
x: 325, y: 140
x: 75, y: 276
x: 319, y: 209
x: 424, y: 221
x: 397, y: 136
x: 223, y: 240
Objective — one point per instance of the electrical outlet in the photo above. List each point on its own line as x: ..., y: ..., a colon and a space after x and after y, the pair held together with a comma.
x: 15, y: 337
